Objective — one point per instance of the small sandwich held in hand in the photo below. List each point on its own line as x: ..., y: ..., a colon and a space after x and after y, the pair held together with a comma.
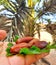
x: 24, y: 51
x: 28, y: 46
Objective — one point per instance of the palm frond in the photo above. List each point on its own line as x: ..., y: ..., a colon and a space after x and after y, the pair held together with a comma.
x: 5, y: 23
x: 48, y: 6
x: 2, y: 9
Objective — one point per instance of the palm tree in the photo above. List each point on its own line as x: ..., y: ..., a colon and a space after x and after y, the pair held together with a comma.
x: 23, y: 12
x: 49, y: 7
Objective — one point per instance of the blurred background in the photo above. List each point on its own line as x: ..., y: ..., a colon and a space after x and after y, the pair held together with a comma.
x: 36, y: 18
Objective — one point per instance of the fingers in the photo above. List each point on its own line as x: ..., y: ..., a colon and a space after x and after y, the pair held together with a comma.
x: 3, y: 34
x: 30, y: 59
x: 4, y: 49
x: 23, y: 60
x: 1, y: 47
x: 20, y: 59
x: 4, y: 60
x: 41, y: 55
x: 16, y: 60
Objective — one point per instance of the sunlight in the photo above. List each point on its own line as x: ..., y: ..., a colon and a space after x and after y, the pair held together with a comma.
x: 45, y: 36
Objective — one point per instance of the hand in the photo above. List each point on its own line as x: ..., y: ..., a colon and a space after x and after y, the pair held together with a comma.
x: 16, y: 60
x: 25, y: 60
x: 20, y: 59
x: 3, y: 34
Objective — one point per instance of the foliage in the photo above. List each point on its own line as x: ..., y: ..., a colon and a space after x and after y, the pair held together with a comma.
x: 8, y: 49
x: 25, y: 14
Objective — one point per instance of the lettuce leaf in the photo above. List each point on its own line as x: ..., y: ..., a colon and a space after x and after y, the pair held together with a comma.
x: 29, y: 51
x: 8, y: 49
x: 36, y: 50
x: 32, y: 50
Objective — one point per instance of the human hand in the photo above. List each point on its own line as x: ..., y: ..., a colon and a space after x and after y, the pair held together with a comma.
x: 19, y: 59
x: 3, y: 34
x: 25, y: 60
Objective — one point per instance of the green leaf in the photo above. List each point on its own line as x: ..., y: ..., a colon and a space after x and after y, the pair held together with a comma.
x: 9, y: 54
x: 45, y: 50
x: 28, y: 51
x: 36, y: 1
x: 32, y: 50
x: 53, y: 46
x: 16, y: 38
x: 35, y: 52
x: 25, y: 51
x: 35, y: 48
x: 9, y: 44
x: 8, y: 4
x: 8, y: 49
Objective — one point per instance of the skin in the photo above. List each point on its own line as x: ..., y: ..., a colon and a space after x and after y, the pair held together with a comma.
x: 20, y: 59
x: 3, y: 34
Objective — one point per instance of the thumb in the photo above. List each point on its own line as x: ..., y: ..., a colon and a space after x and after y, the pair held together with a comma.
x: 3, y: 34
